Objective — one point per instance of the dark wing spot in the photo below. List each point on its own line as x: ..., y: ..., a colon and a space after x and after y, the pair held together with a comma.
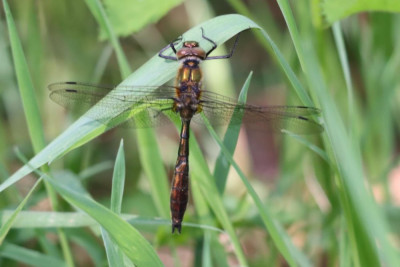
x: 70, y: 82
x: 71, y: 91
x: 302, y: 118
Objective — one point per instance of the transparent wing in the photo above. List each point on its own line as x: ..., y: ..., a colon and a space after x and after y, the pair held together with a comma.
x: 148, y: 104
x: 222, y: 110
x: 145, y: 103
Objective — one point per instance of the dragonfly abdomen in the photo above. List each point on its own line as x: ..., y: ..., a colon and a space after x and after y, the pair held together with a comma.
x: 179, y: 193
x: 180, y: 183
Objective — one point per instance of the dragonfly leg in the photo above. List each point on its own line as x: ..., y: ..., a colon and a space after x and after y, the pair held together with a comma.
x: 215, y: 46
x: 159, y: 112
x: 172, y: 45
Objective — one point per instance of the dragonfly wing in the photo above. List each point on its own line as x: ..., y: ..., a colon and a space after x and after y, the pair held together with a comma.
x: 147, y: 117
x: 221, y: 110
x: 140, y: 106
x: 77, y: 98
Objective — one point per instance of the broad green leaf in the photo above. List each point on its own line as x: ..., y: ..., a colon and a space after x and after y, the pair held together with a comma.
x: 129, y: 16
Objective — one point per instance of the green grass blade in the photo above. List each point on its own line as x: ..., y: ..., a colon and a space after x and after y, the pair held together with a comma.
x: 281, y: 239
x: 127, y: 18
x: 344, y: 246
x: 152, y: 164
x: 25, y: 85
x: 136, y: 247
x: 95, y: 169
x: 203, y: 214
x: 311, y: 146
x: 31, y: 109
x: 337, y: 33
x: 218, y: 252
x: 201, y: 175
x: 99, y: 13
x: 363, y: 218
x: 114, y: 254
x: 27, y: 256
x: 89, y: 243
x: 128, y: 239
x: 206, y: 255
x: 362, y: 209
x: 6, y: 226
x: 334, y: 10
x: 47, y: 247
x: 65, y: 248
x: 293, y: 30
x: 47, y: 219
x: 118, y: 181
x: 294, y: 81
x: 221, y: 169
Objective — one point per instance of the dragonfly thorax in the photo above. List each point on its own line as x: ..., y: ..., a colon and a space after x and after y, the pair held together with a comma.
x: 191, y: 62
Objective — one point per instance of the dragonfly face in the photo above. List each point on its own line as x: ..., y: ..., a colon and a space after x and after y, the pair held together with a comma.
x: 184, y: 100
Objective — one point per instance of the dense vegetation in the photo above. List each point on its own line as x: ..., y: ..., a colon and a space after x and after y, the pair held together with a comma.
x: 325, y: 200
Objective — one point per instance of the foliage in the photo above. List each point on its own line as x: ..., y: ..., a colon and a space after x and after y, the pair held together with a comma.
x: 318, y: 208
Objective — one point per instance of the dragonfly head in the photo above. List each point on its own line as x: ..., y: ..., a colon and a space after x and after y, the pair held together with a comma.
x: 191, y: 49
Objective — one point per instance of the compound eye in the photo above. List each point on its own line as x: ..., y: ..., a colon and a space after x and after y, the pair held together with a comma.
x: 191, y: 44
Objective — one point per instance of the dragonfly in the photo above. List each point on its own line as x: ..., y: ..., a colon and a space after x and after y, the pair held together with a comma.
x: 185, y: 100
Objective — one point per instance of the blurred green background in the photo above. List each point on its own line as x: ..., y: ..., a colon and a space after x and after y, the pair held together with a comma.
x: 62, y: 41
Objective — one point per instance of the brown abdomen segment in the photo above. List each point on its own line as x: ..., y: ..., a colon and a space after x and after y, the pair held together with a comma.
x: 180, y: 183
x: 179, y: 193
